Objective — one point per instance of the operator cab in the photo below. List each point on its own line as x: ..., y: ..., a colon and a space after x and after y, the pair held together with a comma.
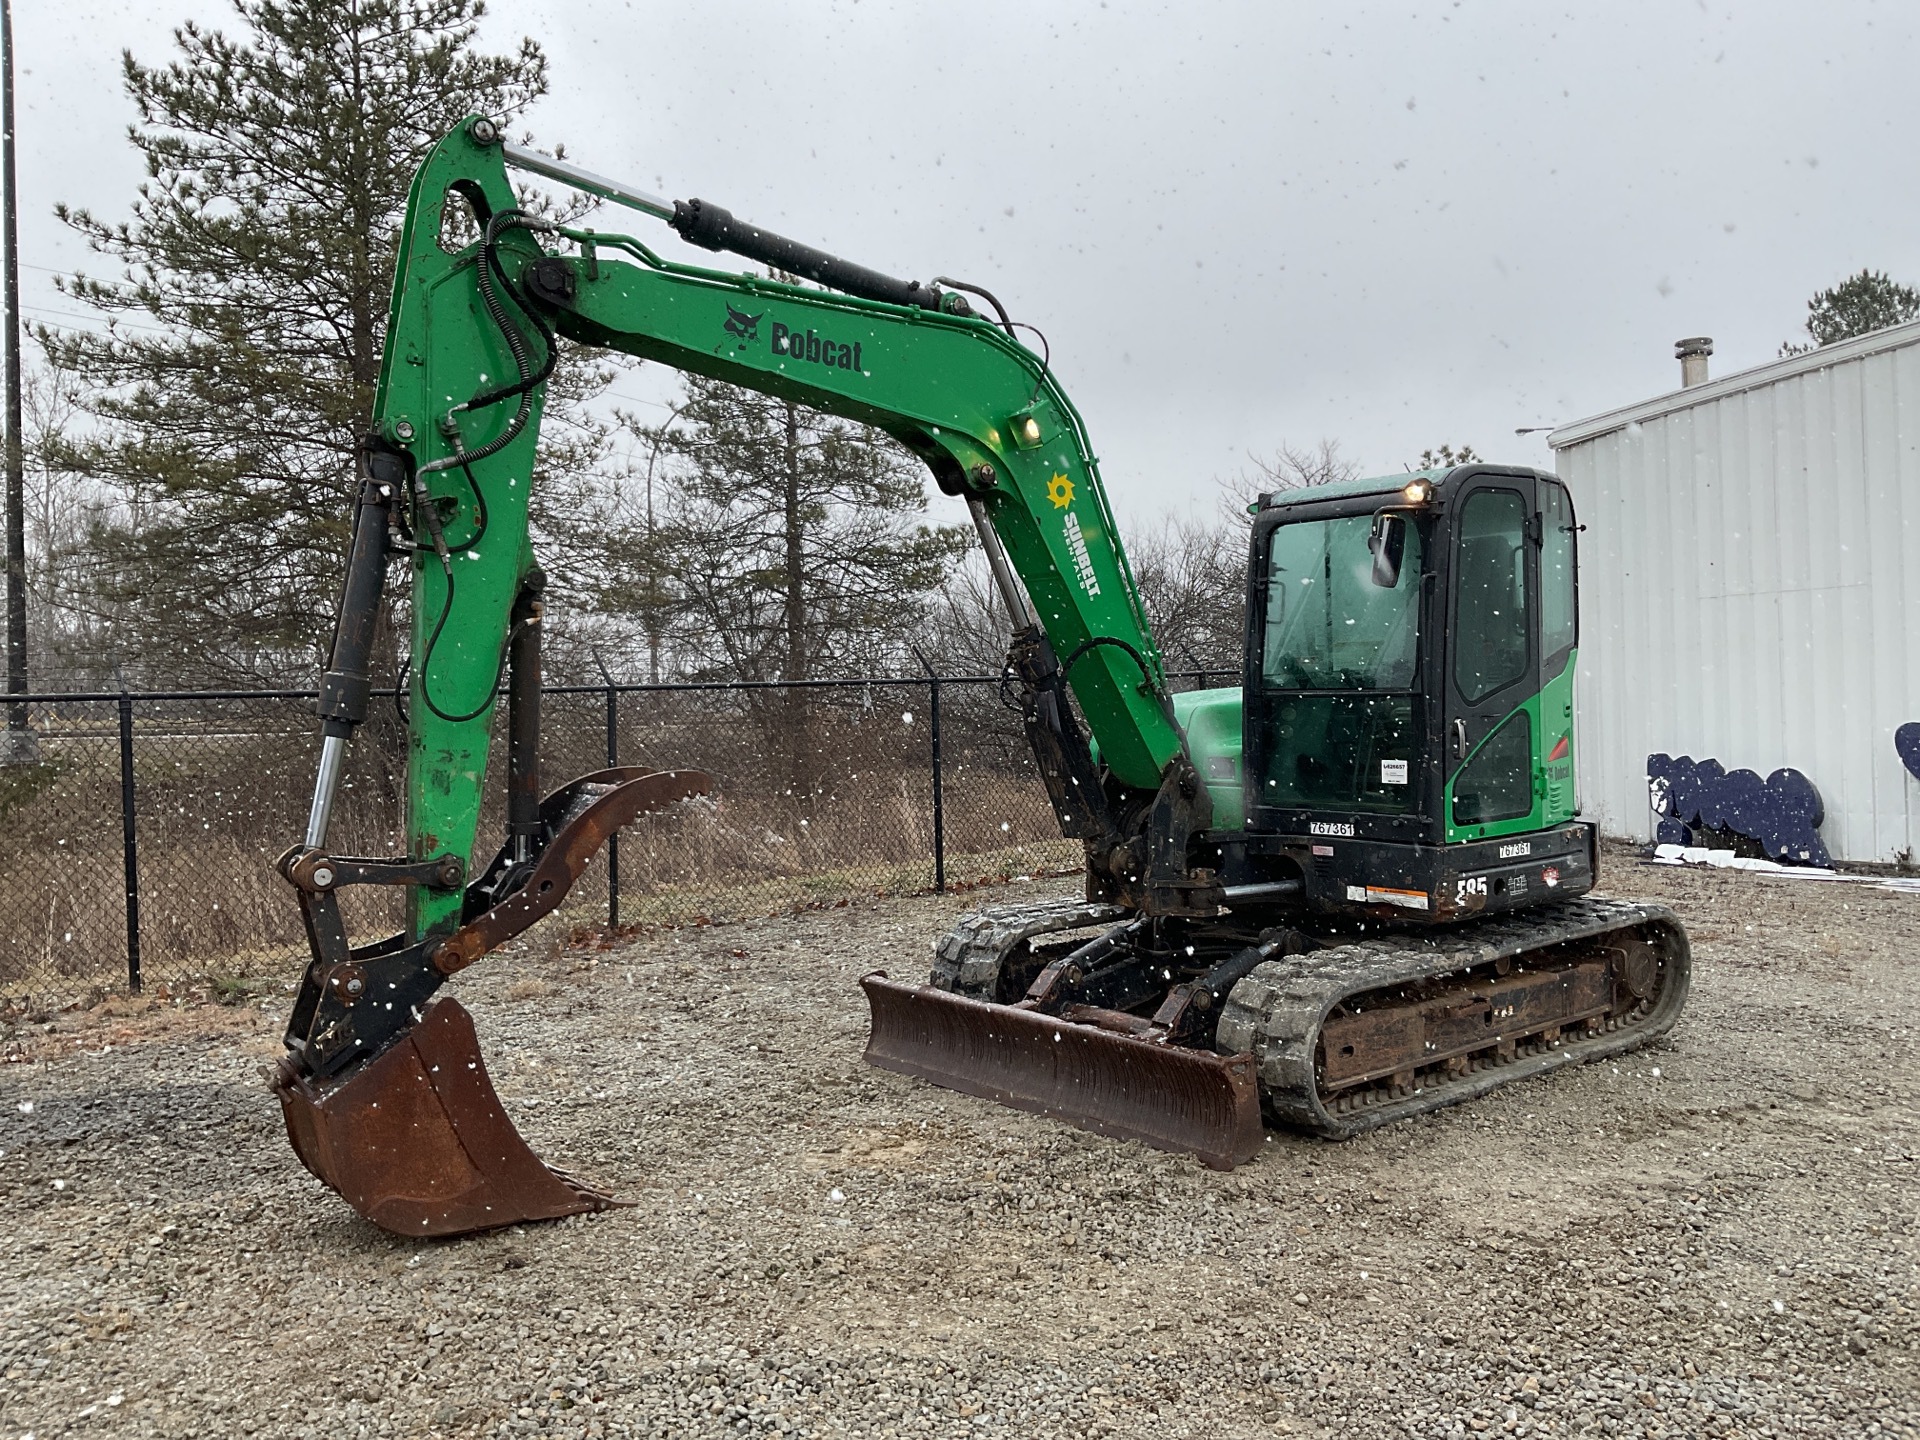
x: 1408, y: 694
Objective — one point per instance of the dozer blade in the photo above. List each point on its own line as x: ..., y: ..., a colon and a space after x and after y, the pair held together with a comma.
x: 1166, y: 1096
x: 417, y: 1142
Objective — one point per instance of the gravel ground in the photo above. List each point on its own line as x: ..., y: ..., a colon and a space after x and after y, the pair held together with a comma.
x: 1715, y: 1238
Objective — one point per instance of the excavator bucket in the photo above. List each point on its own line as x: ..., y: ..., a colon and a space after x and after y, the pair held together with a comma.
x: 1167, y: 1096
x: 418, y: 1143
x: 385, y: 1094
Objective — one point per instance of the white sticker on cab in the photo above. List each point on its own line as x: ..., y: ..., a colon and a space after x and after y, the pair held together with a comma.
x: 1393, y: 772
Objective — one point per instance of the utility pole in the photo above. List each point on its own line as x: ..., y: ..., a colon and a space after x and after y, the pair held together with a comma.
x: 18, y: 746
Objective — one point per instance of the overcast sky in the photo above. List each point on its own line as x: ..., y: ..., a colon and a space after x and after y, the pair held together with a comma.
x: 1238, y: 224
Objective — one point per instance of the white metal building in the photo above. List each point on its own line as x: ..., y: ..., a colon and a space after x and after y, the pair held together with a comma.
x: 1750, y: 588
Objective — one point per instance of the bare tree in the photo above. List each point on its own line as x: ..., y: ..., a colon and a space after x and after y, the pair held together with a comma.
x: 1192, y: 575
x: 1292, y: 467
x: 966, y: 628
x: 73, y: 627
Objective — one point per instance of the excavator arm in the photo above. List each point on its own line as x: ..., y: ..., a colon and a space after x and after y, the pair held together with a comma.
x: 485, y: 292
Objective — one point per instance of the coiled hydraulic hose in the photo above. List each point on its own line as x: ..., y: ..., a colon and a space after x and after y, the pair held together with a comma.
x: 493, y: 278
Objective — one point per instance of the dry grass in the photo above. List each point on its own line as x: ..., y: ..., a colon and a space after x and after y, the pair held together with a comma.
x: 219, y: 800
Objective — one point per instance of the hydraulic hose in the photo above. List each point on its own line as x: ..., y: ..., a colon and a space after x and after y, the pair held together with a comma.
x: 493, y: 279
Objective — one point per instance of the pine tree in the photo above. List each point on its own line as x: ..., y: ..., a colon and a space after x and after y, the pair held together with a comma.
x: 257, y: 265
x: 794, y: 540
x: 791, y: 547
x: 1858, y: 305
x: 1444, y: 457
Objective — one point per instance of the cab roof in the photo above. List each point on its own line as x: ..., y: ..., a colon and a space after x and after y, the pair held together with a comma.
x: 1339, y: 489
x: 1438, y: 478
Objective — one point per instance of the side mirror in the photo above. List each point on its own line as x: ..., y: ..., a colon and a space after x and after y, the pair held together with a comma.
x: 1388, y: 542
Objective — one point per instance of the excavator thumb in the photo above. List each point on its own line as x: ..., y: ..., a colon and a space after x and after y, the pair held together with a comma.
x: 1169, y: 1096
x: 386, y: 1097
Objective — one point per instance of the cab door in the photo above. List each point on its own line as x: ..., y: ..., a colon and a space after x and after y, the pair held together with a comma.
x: 1492, y: 725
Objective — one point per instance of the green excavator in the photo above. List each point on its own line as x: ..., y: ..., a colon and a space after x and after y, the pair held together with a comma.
x: 1350, y: 890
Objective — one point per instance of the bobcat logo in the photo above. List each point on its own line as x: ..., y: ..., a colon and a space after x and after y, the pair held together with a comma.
x: 742, y: 325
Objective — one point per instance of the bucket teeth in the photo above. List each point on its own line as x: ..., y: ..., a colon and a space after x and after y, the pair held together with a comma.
x: 417, y: 1142
x: 1166, y: 1096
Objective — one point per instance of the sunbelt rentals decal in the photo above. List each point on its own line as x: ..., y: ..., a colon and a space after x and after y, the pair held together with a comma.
x: 1060, y: 492
x: 1082, y: 561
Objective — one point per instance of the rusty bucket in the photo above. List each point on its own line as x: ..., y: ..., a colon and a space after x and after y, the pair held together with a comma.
x: 1166, y: 1096
x: 417, y: 1142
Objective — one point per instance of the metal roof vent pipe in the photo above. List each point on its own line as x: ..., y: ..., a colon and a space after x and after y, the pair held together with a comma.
x: 1692, y: 355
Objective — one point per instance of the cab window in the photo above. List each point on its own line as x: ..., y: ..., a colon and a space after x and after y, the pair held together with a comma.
x: 1559, y: 623
x: 1490, y: 594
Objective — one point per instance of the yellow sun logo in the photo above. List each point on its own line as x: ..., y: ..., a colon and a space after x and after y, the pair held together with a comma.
x: 1060, y: 491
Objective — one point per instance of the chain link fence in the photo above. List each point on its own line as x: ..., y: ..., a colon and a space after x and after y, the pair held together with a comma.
x: 137, y: 847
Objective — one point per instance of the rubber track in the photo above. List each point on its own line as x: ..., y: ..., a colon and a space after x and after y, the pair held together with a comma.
x: 1277, y: 1011
x: 967, y: 959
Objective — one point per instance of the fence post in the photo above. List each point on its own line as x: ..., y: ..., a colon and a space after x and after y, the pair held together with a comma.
x: 129, y: 842
x: 939, y: 798
x: 613, y: 841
